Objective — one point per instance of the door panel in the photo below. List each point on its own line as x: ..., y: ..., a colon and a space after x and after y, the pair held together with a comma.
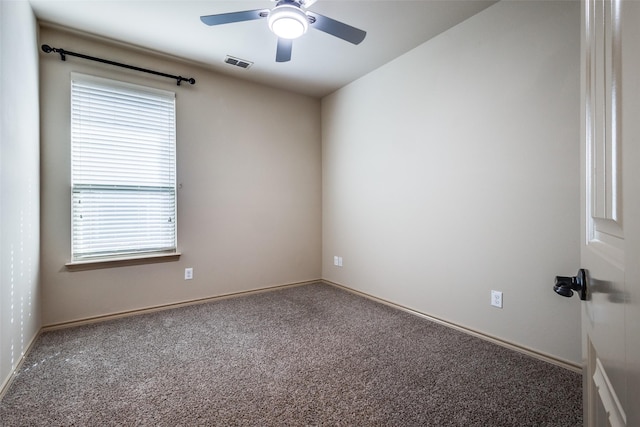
x: 603, y: 247
x: 603, y: 124
x: 610, y: 219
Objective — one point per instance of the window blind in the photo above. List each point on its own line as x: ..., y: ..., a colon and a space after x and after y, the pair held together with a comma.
x: 123, y: 169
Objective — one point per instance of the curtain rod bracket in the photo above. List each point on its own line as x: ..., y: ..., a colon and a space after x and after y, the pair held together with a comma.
x: 63, y: 56
x: 48, y: 49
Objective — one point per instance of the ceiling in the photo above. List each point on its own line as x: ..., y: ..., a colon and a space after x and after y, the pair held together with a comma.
x: 320, y: 63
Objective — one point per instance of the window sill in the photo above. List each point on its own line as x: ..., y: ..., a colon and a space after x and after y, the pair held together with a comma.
x: 95, y: 264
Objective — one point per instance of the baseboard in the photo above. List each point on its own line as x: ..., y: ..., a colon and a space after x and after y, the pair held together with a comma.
x: 6, y: 382
x: 512, y: 346
x: 186, y: 303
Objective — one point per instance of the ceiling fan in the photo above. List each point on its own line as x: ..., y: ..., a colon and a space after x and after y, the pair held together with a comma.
x: 289, y: 21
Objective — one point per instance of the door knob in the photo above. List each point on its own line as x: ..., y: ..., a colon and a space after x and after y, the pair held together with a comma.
x: 566, y: 285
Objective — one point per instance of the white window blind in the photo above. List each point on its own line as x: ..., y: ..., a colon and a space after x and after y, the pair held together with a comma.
x: 123, y: 169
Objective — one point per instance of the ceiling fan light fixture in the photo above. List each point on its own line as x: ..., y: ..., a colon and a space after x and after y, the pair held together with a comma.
x: 288, y: 22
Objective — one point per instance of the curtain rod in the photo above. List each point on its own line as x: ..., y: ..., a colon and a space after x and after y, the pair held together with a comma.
x: 47, y: 49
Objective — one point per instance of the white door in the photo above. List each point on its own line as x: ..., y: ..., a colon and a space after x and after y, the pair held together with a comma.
x: 611, y: 211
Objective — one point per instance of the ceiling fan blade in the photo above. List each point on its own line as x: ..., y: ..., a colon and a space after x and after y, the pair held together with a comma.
x: 228, y: 18
x: 336, y: 28
x: 283, y: 52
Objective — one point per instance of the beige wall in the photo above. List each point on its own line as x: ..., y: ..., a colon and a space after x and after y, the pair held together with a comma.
x: 453, y: 170
x: 249, y: 206
x: 19, y: 185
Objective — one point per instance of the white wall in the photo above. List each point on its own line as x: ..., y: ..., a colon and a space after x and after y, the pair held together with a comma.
x: 249, y: 209
x: 453, y: 170
x: 19, y: 185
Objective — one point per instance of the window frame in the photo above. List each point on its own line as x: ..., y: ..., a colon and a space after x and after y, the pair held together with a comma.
x: 80, y: 261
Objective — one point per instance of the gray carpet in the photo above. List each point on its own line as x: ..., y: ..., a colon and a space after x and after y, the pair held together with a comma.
x: 308, y: 355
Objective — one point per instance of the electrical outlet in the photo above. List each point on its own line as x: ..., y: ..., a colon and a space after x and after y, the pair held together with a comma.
x: 188, y: 273
x: 337, y: 261
x: 496, y: 299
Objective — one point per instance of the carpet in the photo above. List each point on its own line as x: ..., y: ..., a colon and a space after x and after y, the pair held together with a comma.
x: 310, y: 355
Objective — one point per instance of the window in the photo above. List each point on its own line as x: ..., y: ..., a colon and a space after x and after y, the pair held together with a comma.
x: 123, y: 170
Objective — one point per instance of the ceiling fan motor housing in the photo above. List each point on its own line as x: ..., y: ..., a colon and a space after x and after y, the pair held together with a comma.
x: 288, y: 20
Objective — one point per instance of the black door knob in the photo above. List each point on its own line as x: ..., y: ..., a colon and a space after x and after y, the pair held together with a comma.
x: 566, y: 285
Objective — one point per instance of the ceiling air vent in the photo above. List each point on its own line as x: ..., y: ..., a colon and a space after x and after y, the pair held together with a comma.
x: 238, y: 62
